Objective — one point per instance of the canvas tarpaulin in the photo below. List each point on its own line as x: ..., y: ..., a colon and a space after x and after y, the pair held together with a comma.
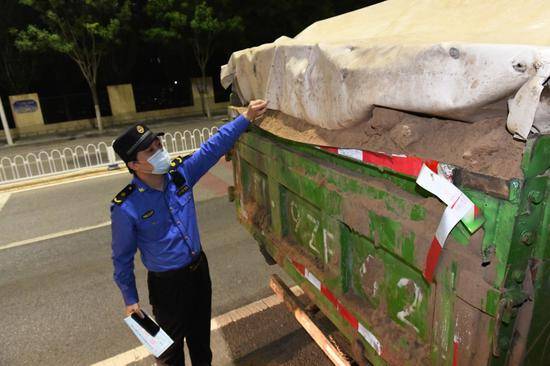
x: 457, y: 59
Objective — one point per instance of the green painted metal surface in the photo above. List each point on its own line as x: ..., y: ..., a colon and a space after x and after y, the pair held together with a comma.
x: 363, y: 233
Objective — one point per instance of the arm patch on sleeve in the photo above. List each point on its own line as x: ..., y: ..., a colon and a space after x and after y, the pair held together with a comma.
x: 178, y: 160
x: 177, y: 177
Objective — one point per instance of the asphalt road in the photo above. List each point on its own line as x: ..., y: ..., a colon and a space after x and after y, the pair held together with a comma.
x: 62, y: 308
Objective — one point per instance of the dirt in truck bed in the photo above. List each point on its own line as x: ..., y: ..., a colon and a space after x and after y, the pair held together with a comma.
x: 484, y: 147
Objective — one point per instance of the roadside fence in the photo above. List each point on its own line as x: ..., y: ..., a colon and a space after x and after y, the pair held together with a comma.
x: 66, y: 160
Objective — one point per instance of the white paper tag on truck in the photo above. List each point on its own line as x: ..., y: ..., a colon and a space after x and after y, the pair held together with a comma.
x: 149, y: 333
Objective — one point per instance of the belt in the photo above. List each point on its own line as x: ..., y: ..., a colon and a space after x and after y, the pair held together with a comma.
x: 191, y: 267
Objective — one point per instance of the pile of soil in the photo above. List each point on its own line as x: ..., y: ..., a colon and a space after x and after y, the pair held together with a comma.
x: 483, y: 147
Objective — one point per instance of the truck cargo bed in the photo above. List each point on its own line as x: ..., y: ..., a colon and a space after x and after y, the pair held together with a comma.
x: 356, y: 236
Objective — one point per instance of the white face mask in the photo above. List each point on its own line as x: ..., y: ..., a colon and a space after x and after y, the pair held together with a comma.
x: 160, y: 161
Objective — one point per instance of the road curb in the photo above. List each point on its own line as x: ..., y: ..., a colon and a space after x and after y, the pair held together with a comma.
x: 60, y: 177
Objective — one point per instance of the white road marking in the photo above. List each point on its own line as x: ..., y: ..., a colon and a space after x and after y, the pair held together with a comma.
x: 4, y: 197
x: 53, y: 236
x: 139, y: 353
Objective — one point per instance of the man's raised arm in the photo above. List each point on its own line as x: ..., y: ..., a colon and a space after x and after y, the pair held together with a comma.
x: 219, y: 144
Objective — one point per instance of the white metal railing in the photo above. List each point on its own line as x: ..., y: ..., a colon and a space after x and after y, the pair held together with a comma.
x: 58, y: 161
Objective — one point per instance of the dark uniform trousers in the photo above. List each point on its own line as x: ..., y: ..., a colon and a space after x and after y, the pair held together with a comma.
x: 182, y: 306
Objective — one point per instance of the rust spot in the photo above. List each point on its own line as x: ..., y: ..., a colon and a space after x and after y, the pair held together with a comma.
x: 257, y: 215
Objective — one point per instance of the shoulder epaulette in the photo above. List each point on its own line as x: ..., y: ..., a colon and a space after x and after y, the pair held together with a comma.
x: 177, y: 161
x: 122, y: 195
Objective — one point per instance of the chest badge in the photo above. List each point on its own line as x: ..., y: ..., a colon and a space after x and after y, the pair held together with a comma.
x: 148, y: 214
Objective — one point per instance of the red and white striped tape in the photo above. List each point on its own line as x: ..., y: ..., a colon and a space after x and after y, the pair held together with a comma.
x: 459, y: 207
x: 407, y: 165
x: 349, y: 317
x: 433, y: 176
x: 345, y: 313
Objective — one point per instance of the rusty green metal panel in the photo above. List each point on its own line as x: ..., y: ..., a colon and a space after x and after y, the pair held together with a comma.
x: 362, y: 233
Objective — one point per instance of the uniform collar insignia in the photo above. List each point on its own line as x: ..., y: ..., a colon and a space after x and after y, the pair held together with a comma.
x: 142, y: 187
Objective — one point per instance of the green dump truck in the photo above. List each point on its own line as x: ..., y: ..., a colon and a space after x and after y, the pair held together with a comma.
x: 355, y: 236
x: 401, y: 177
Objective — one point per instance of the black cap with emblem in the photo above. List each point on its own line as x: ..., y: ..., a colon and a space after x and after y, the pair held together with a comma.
x: 136, y: 138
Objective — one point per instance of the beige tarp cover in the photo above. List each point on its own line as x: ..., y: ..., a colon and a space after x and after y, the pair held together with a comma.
x: 464, y: 60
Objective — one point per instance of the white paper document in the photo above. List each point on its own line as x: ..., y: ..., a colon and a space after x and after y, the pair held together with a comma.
x: 156, y: 344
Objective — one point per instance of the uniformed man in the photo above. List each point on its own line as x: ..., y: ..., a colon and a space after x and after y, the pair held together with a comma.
x: 156, y: 214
